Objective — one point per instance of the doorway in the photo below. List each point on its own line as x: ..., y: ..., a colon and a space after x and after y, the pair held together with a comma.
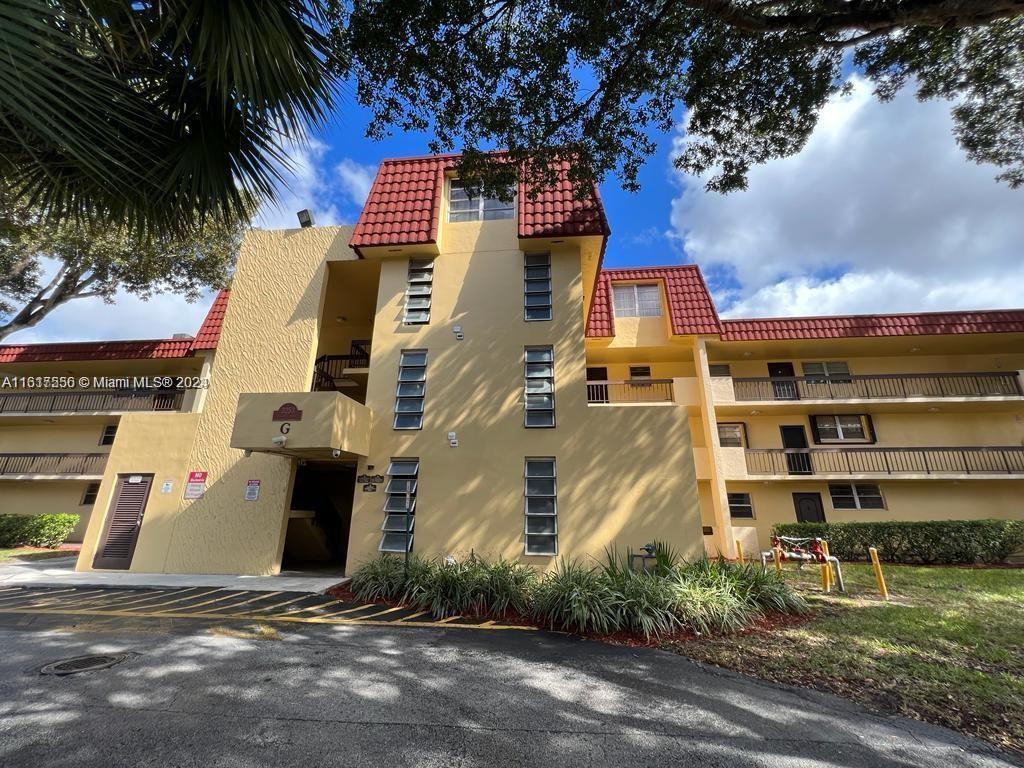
x: 124, y: 520
x: 783, y: 381
x: 794, y: 440
x: 319, y: 517
x: 809, y: 508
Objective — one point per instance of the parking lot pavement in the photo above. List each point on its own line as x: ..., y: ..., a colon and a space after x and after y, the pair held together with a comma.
x: 228, y: 694
x: 212, y: 604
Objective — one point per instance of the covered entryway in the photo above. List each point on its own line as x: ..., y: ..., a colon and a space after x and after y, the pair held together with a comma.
x: 124, y: 519
x: 320, y: 516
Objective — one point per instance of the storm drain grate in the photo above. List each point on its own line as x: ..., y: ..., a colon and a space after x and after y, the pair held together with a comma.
x: 83, y: 664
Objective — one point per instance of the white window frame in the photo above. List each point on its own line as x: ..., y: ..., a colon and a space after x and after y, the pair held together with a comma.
x: 547, y: 383
x: 528, y: 515
x: 749, y: 503
x: 627, y: 300
x: 419, y: 292
x: 840, y: 436
x: 480, y: 208
x: 537, y: 269
x: 403, y: 397
x: 856, y: 496
x: 398, y: 470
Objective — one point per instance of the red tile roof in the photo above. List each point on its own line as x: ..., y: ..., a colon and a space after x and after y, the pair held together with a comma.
x: 404, y: 206
x: 690, y: 307
x: 849, y: 326
x: 146, y: 349
x: 209, y: 331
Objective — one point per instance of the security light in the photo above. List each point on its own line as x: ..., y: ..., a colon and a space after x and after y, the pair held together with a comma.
x: 305, y: 218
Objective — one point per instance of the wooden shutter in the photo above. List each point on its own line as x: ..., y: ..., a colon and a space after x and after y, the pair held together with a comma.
x: 124, y: 519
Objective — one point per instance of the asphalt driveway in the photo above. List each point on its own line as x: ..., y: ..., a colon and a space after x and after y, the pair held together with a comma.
x: 208, y: 694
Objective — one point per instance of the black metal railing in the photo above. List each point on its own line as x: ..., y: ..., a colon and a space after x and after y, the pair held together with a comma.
x: 884, y: 385
x: 52, y: 463
x: 885, y: 461
x: 70, y: 401
x: 638, y: 391
x: 330, y: 369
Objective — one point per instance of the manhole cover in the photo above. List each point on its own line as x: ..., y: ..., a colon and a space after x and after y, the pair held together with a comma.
x: 83, y: 664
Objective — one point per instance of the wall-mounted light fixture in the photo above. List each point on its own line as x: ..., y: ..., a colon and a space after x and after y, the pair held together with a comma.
x: 305, y: 218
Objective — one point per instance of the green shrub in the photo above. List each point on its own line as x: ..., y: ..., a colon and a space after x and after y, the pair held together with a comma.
x: 576, y: 599
x: 35, y: 530
x: 447, y: 588
x: 381, y: 578
x: 931, y: 541
x: 506, y: 587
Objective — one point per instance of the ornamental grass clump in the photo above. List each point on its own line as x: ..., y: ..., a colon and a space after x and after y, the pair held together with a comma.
x: 506, y: 588
x: 576, y: 598
x: 447, y: 588
x: 380, y: 578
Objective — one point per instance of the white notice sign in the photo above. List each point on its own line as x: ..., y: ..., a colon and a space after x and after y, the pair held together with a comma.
x: 252, y: 490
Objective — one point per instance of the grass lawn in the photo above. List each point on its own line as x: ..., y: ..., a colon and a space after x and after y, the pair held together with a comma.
x: 948, y: 648
x: 28, y: 554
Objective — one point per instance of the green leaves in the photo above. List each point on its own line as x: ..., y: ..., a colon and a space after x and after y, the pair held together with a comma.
x: 593, y: 80
x: 156, y: 115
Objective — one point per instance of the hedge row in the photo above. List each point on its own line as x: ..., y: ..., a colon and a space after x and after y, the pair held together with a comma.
x: 35, y: 530
x: 932, y: 541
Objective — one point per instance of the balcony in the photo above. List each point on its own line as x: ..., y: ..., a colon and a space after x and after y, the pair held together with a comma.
x: 898, y: 386
x: 630, y: 392
x: 995, y: 461
x: 71, y: 401
x: 35, y: 466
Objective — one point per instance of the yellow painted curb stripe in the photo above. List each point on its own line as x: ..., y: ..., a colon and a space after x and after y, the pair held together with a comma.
x: 220, y: 599
x: 282, y: 605
x: 260, y: 596
x: 106, y: 598
x: 179, y: 599
x: 36, y: 594
x: 347, y: 610
x: 288, y: 619
x: 381, y: 613
x: 449, y: 619
x: 415, y: 616
x: 311, y: 607
x: 136, y: 599
x: 37, y: 598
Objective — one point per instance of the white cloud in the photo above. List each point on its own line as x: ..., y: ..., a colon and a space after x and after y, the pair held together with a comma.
x: 880, y: 212
x: 356, y: 179
x: 306, y: 186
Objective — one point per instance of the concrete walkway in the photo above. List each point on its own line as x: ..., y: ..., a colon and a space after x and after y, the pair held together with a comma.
x: 60, y: 572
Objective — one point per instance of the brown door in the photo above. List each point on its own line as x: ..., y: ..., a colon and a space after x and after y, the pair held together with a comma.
x: 783, y: 381
x: 124, y: 519
x: 809, y: 508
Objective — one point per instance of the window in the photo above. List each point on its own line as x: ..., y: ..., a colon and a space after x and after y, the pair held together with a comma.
x: 639, y: 371
x: 412, y: 384
x: 637, y: 300
x: 740, y: 506
x: 109, y: 433
x: 537, y: 286
x: 851, y: 428
x: 539, y: 387
x: 541, y: 507
x: 719, y: 370
x: 835, y: 370
x: 418, y: 292
x: 855, y: 496
x: 400, y: 505
x: 732, y: 435
x: 92, y: 490
x: 462, y: 207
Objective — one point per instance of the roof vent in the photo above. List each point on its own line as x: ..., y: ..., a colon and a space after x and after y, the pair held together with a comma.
x: 305, y: 218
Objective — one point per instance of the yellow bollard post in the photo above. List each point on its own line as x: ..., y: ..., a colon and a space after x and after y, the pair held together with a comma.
x: 739, y: 552
x: 828, y: 559
x: 777, y: 554
x: 879, y: 576
x: 824, y: 577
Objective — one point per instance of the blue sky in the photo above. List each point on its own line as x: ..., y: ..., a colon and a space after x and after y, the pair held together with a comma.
x: 880, y: 212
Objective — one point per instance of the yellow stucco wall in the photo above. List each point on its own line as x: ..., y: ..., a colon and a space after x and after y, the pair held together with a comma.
x: 268, y: 344
x: 907, y: 500
x: 471, y: 497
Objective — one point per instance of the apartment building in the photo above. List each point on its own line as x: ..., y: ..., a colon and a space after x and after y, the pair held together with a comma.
x: 456, y: 374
